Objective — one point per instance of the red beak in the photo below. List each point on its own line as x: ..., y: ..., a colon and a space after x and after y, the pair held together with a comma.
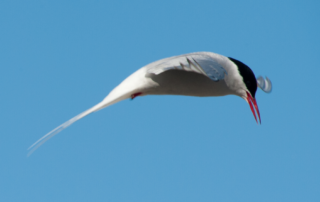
x: 253, y: 101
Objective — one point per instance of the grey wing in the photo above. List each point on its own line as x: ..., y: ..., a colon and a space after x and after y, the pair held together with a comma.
x: 194, y: 62
x: 264, y: 84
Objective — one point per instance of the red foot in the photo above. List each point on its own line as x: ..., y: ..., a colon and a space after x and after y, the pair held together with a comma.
x: 135, y: 95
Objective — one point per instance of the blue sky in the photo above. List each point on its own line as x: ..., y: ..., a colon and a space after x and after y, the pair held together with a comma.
x: 59, y: 58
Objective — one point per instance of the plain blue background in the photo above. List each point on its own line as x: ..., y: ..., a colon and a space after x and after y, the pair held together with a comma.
x: 59, y: 58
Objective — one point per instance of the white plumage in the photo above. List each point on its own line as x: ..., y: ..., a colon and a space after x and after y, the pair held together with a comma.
x: 194, y: 74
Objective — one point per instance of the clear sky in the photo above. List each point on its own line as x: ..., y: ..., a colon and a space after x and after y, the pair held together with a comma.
x: 59, y: 58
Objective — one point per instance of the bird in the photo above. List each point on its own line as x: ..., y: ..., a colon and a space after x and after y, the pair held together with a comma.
x: 201, y: 74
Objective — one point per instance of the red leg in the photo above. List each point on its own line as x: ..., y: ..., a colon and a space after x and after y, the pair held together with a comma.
x: 135, y: 95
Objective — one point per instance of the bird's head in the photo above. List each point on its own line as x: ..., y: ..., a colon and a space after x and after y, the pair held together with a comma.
x: 249, y: 85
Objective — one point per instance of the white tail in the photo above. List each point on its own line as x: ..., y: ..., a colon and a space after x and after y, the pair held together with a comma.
x: 124, y: 90
x: 105, y: 103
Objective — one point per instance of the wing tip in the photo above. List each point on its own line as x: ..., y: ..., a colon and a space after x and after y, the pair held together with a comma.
x: 264, y: 84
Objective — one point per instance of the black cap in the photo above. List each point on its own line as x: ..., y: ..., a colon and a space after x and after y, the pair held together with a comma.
x: 247, y: 75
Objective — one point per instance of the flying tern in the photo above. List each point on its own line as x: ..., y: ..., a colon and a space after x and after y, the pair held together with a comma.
x: 199, y: 74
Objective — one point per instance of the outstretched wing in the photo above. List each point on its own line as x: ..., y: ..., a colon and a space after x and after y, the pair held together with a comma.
x: 264, y: 84
x: 193, y: 62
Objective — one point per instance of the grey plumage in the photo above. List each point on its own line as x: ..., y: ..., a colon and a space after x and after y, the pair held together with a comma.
x: 194, y: 62
x: 264, y: 84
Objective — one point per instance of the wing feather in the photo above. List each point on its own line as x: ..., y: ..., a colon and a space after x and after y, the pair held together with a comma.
x: 264, y: 84
x: 193, y: 62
